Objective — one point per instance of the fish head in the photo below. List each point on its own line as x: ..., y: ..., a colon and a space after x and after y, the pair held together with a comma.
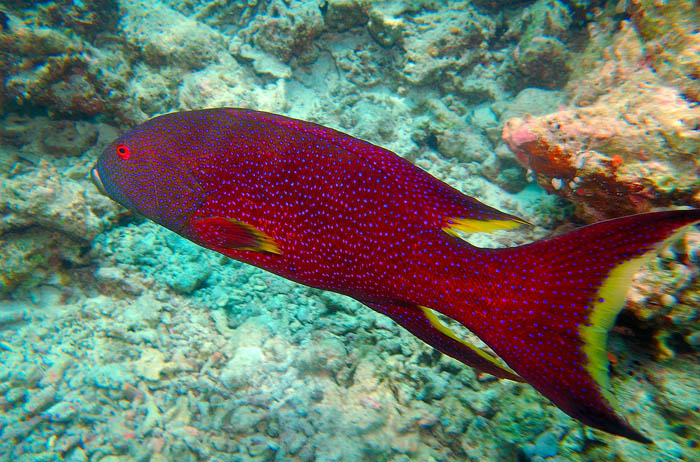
x: 143, y: 170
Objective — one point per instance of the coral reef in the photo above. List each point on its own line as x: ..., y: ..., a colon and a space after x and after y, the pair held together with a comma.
x: 627, y: 144
x: 122, y: 342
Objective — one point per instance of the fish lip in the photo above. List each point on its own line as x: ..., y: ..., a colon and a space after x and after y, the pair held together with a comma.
x: 97, y: 181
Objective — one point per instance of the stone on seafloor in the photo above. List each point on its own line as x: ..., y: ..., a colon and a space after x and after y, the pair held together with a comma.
x: 447, y: 40
x: 243, y: 419
x: 344, y: 14
x: 227, y: 83
x: 47, y: 198
x: 151, y: 364
x: 541, y: 57
x: 61, y: 412
x: 54, y: 374
x: 693, y: 339
x: 246, y: 362
x: 11, y: 317
x: 39, y: 399
x: 671, y: 31
x: 77, y: 455
x: 165, y: 36
x: 384, y: 28
x: 630, y: 149
x: 546, y: 445
x: 285, y: 30
x: 20, y: 429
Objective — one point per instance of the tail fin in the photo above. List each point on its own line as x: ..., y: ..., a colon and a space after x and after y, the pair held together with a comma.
x: 559, y: 299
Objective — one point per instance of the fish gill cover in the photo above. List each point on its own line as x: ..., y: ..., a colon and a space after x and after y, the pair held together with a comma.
x: 121, y: 341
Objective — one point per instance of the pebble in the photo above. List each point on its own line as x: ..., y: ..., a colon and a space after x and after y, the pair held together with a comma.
x: 61, y: 412
x: 671, y: 448
x: 39, y: 400
x: 68, y: 441
x: 693, y: 339
x: 78, y: 455
x: 11, y: 317
x: 20, y: 429
x: 54, y: 374
x: 45, y: 456
x: 668, y: 300
x: 15, y: 394
x: 546, y: 445
x: 27, y: 374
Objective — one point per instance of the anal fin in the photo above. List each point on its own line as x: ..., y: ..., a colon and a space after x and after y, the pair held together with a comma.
x: 424, y: 324
x: 472, y: 225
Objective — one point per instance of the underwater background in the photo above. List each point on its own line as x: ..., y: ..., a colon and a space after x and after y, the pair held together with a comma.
x: 121, y: 341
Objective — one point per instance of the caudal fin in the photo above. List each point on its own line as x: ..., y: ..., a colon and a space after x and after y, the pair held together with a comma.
x: 558, y: 300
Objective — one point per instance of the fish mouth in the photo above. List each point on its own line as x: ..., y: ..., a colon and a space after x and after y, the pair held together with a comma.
x: 95, y: 177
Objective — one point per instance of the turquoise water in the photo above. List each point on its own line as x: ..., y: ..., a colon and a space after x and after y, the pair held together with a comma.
x: 121, y: 341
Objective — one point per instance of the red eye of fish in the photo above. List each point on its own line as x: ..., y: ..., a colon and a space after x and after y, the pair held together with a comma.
x: 123, y: 151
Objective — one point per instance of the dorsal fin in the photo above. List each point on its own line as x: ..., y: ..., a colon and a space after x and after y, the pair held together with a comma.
x: 453, y: 209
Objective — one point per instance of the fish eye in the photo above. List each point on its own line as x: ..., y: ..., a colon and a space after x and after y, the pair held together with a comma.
x: 123, y: 151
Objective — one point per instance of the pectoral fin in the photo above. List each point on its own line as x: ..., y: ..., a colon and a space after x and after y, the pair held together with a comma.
x: 228, y: 233
x: 424, y: 324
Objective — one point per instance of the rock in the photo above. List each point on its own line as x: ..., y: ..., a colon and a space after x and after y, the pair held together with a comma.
x: 11, y: 317
x: 292, y: 441
x: 448, y: 39
x: 384, y: 28
x: 151, y: 364
x: 671, y: 41
x: 77, y: 455
x: 546, y: 445
x: 39, y: 400
x: 68, y: 138
x: 186, y: 282
x: 260, y: 447
x: 625, y: 153
x: 529, y: 102
x: 88, y: 18
x: 114, y: 376
x: 226, y: 83
x: 245, y: 418
x: 54, y: 374
x: 45, y: 197
x: 671, y: 449
x: 238, y: 371
x: 165, y: 36
x: 77, y: 95
x: 36, y: 60
x: 286, y: 29
x: 479, y: 443
x: 263, y: 63
x: 21, y: 429
x: 541, y: 57
x: 345, y: 14
x: 61, y: 412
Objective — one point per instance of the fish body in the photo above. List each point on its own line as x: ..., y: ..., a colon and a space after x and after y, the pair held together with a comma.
x: 334, y: 212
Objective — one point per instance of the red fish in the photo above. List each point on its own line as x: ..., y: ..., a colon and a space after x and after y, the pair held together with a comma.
x: 330, y: 211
